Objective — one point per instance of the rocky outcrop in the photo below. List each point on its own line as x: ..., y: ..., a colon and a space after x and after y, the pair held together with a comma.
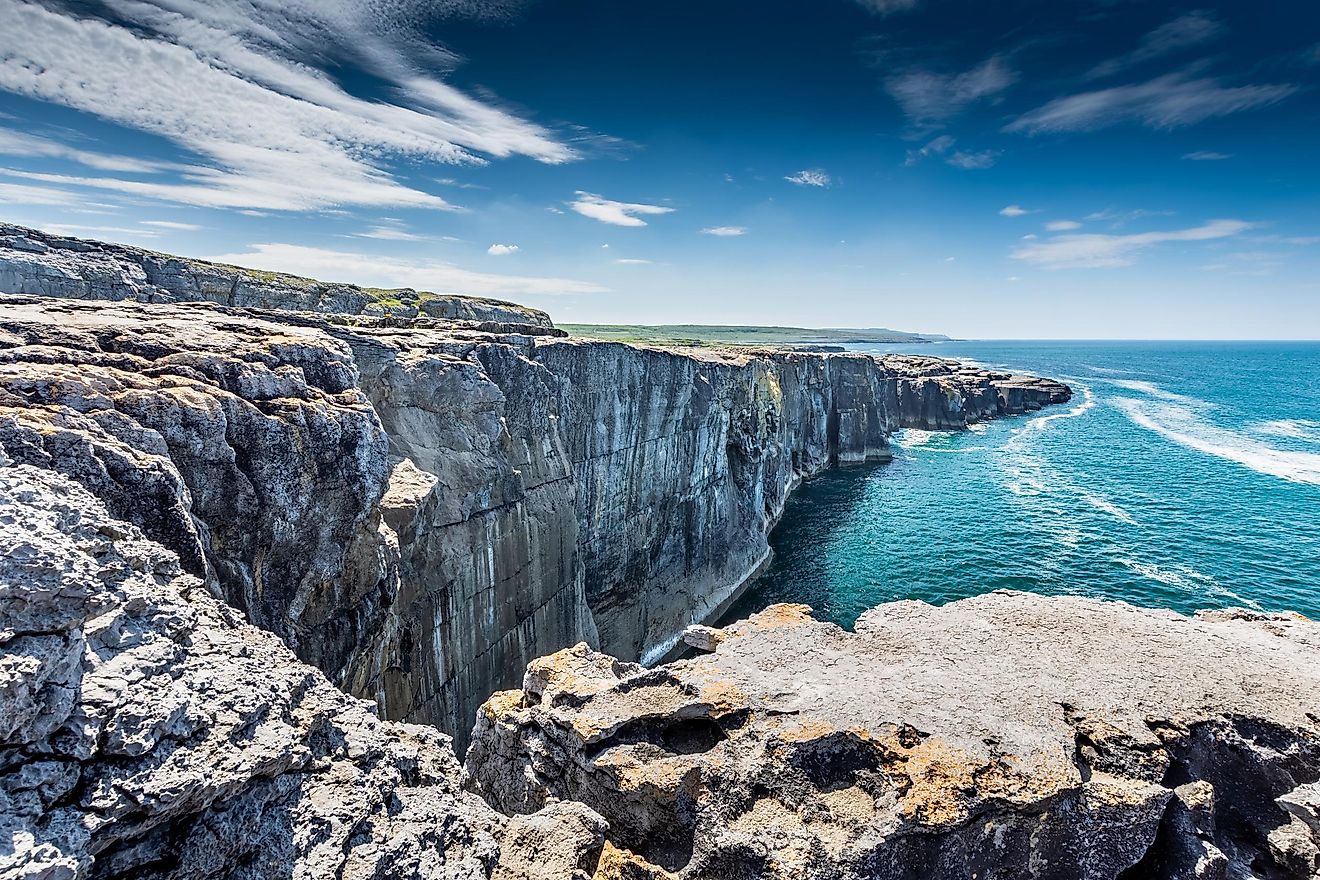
x: 420, y: 509
x: 147, y: 732
x: 37, y: 263
x: 1008, y: 735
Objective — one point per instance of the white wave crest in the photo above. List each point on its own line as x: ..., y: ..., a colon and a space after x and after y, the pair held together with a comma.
x: 1154, y: 390
x: 1187, y: 579
x: 1088, y: 402
x: 1184, y: 426
x: 1295, y: 429
x: 1101, y: 503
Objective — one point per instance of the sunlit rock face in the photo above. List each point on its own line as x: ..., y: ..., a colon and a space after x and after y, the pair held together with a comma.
x: 1009, y: 735
x: 148, y: 732
x: 42, y: 264
x: 421, y: 507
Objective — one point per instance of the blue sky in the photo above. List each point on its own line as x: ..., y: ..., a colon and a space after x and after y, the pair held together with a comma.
x: 1098, y: 168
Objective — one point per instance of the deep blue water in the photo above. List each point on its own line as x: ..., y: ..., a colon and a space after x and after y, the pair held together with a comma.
x: 1181, y: 475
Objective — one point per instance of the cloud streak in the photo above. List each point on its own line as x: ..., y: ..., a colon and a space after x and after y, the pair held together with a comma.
x: 1183, y: 32
x: 930, y: 99
x: 373, y: 270
x: 234, y: 84
x: 1100, y: 251
x: 1167, y: 102
x: 725, y: 231
x: 612, y: 212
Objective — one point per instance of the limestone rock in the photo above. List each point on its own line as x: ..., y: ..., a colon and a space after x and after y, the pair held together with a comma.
x: 36, y: 263
x: 147, y: 732
x: 1007, y: 735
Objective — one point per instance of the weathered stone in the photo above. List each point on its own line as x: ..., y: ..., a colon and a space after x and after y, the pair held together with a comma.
x: 37, y: 263
x: 1007, y: 735
x: 149, y: 733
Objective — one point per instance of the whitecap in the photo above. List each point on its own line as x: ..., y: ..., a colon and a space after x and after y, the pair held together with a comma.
x: 1184, y: 426
x: 1101, y: 503
x: 1187, y: 579
x: 1294, y: 429
x: 1154, y: 390
x: 1088, y: 402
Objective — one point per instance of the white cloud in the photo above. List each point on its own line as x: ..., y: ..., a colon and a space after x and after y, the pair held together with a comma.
x: 502, y: 250
x: 13, y: 143
x: 615, y: 213
x: 1167, y: 102
x: 810, y: 177
x: 79, y: 231
x: 21, y: 194
x: 1207, y: 156
x: 973, y: 161
x: 725, y: 231
x: 389, y: 233
x: 1014, y: 211
x: 938, y: 146
x: 1183, y: 32
x: 230, y: 81
x: 1030, y: 236
x: 1097, y: 251
x: 172, y: 224
x: 1062, y: 225
x: 376, y: 271
x: 933, y: 98
x: 633, y: 262
x: 885, y: 7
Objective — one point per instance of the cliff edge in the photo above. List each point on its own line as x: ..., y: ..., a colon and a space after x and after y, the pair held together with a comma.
x: 1007, y: 735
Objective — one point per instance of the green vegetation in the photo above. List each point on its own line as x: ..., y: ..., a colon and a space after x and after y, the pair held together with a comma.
x: 710, y: 334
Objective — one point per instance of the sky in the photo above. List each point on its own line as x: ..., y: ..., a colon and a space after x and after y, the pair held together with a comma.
x: 1019, y: 169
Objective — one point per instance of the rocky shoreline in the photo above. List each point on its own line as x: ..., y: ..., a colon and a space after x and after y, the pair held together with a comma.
x: 221, y: 522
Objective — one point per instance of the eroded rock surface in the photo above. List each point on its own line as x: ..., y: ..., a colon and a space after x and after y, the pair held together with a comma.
x: 420, y: 508
x: 1008, y: 735
x: 146, y: 731
x: 38, y: 263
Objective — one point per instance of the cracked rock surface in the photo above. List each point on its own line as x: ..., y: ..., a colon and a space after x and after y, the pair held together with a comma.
x: 1003, y: 736
x: 146, y: 731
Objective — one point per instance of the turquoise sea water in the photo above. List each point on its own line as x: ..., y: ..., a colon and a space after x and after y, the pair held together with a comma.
x: 1181, y: 475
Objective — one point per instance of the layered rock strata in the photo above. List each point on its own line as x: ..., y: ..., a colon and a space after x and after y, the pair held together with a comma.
x: 1004, y: 736
x: 306, y: 465
x: 38, y: 263
x: 148, y: 732
x: 420, y: 508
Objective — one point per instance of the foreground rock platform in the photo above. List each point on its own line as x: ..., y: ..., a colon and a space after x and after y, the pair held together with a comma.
x: 1004, y: 736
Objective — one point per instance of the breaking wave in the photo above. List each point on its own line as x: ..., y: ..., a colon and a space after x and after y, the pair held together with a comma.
x: 1186, y: 427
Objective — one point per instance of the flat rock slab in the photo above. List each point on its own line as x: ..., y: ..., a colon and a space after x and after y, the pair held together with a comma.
x: 1008, y: 735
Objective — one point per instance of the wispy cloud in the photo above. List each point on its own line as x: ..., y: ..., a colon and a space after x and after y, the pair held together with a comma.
x: 233, y: 82
x: 1100, y: 251
x: 1170, y: 101
x: 1183, y: 32
x: 1062, y: 225
x: 377, y: 271
x: 14, y: 143
x: 885, y: 7
x: 1207, y: 156
x: 632, y: 261
x: 725, y: 231
x: 973, y: 160
x: 810, y: 177
x: 931, y: 99
x: 390, y: 233
x: 172, y: 224
x: 502, y: 250
x: 1014, y: 211
x: 936, y: 147
x: 612, y: 212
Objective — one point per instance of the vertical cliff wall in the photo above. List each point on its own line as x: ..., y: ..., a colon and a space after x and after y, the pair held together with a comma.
x: 421, y: 508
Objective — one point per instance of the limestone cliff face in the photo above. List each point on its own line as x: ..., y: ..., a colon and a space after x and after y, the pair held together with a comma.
x: 683, y: 461
x: 421, y: 508
x: 54, y: 265
x: 147, y: 732
x: 1005, y: 736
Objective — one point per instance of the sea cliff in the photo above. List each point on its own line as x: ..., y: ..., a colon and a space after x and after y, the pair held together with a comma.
x: 221, y: 522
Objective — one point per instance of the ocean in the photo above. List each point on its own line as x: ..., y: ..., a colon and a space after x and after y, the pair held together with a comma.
x: 1182, y: 475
